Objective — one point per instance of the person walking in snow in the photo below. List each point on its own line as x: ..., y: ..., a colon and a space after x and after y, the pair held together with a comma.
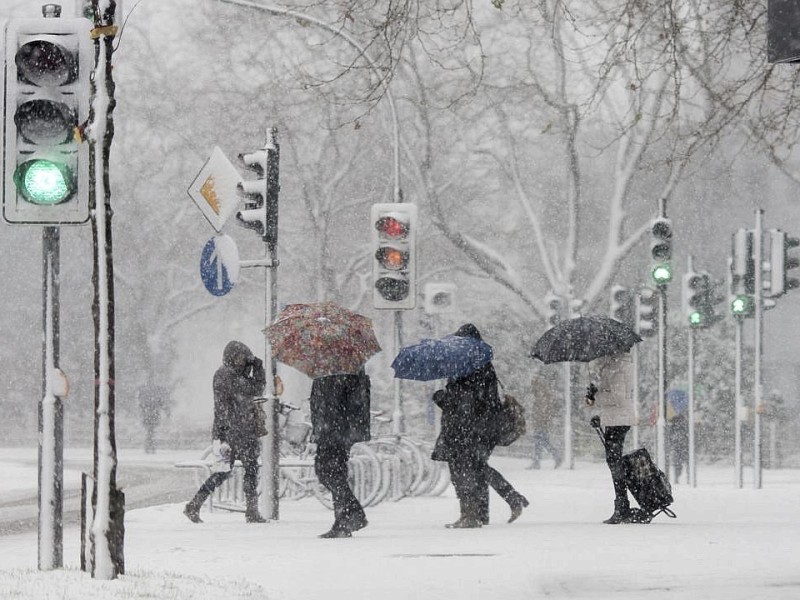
x: 610, y: 395
x: 542, y: 415
x: 470, y: 411
x: 340, y: 418
x: 236, y: 383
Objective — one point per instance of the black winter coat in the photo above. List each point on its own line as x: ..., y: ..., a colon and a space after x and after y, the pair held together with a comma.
x: 340, y: 409
x: 470, y: 412
x: 240, y: 378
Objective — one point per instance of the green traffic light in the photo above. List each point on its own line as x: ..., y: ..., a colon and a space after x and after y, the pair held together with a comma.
x: 44, y: 182
x: 661, y: 273
x: 741, y: 305
x: 695, y: 318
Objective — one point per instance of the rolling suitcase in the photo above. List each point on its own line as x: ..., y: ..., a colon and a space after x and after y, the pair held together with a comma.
x: 647, y: 483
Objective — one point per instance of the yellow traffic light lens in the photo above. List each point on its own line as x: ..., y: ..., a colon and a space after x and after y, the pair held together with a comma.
x: 392, y: 258
x: 44, y: 182
x: 46, y: 122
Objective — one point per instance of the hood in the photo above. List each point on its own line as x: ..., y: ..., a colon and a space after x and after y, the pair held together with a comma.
x: 236, y: 355
x: 468, y: 330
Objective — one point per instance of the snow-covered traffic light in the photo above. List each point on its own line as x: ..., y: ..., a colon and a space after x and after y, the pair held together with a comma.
x: 394, y: 258
x: 553, y: 309
x: 48, y: 65
x: 699, y: 298
x: 260, y: 195
x: 621, y: 305
x: 661, y: 251
x: 781, y: 262
x: 646, y: 313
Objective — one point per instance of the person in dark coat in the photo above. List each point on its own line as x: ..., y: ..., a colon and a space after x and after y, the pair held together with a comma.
x: 236, y: 383
x: 470, y: 411
x: 340, y: 418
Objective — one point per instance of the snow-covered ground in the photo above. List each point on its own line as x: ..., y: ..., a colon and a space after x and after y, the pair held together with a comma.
x: 726, y: 543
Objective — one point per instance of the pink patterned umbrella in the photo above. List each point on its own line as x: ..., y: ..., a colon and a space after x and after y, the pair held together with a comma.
x: 322, y: 339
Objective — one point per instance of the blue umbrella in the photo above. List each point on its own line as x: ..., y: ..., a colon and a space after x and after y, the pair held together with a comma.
x: 679, y: 400
x: 450, y: 357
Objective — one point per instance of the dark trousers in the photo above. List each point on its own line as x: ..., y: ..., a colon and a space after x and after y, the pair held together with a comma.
x: 541, y: 442
x: 615, y: 441
x: 330, y: 465
x: 248, y: 455
x: 468, y: 474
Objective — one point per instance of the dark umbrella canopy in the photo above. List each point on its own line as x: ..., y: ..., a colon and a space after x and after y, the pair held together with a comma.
x: 450, y: 357
x: 584, y: 339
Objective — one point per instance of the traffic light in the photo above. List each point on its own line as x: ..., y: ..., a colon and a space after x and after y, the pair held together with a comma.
x: 254, y: 192
x: 742, y: 306
x: 394, y: 260
x: 699, y: 298
x: 781, y: 263
x: 661, y: 251
x: 553, y: 308
x: 622, y: 304
x: 743, y: 265
x: 439, y: 297
x: 48, y: 64
x: 646, y: 313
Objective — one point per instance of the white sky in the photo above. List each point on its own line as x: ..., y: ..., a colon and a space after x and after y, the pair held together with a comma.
x: 725, y: 543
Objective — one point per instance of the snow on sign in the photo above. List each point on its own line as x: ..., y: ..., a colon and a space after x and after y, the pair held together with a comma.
x: 214, y: 189
x: 219, y: 265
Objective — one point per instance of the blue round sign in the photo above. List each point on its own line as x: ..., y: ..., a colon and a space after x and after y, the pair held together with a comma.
x: 219, y: 265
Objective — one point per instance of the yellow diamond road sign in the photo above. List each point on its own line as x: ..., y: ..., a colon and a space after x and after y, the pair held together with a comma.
x: 214, y: 189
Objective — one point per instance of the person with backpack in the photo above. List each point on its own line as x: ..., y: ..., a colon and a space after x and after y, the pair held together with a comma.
x: 470, y: 412
x: 340, y: 418
x: 610, y: 395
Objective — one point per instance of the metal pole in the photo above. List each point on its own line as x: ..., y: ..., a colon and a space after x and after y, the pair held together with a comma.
x: 661, y: 447
x: 569, y: 455
x: 692, y: 456
x: 270, y: 445
x: 635, y: 382
x: 398, y: 417
x: 737, y: 427
x: 51, y: 413
x: 759, y: 332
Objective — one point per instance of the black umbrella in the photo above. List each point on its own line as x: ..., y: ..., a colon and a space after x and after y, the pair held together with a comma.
x: 584, y: 339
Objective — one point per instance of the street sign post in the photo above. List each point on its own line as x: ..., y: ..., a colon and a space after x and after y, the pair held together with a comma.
x: 219, y: 265
x: 214, y: 189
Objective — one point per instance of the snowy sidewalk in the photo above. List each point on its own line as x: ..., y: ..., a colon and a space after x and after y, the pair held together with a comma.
x: 725, y: 543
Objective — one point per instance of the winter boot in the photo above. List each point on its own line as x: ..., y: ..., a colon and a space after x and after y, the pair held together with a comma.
x: 337, y: 531
x: 465, y: 523
x: 622, y: 514
x: 192, y: 512
x: 517, y: 503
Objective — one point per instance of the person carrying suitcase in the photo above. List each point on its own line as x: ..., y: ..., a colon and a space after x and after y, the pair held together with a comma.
x: 610, y: 393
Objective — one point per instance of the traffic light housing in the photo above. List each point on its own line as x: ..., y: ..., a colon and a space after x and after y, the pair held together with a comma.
x: 394, y: 231
x: 781, y: 263
x: 661, y: 251
x: 743, y: 265
x: 48, y: 64
x: 621, y: 308
x: 646, y: 314
x: 553, y: 309
x: 254, y: 192
x: 699, y: 298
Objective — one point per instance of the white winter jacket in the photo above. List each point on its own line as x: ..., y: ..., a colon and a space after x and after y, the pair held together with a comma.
x: 613, y: 377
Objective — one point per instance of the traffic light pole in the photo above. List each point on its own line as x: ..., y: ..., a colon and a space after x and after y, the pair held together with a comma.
x: 758, y: 251
x: 661, y: 423
x: 51, y: 413
x: 739, y: 410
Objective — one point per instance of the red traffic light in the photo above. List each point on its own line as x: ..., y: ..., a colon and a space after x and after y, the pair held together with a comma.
x: 392, y: 227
